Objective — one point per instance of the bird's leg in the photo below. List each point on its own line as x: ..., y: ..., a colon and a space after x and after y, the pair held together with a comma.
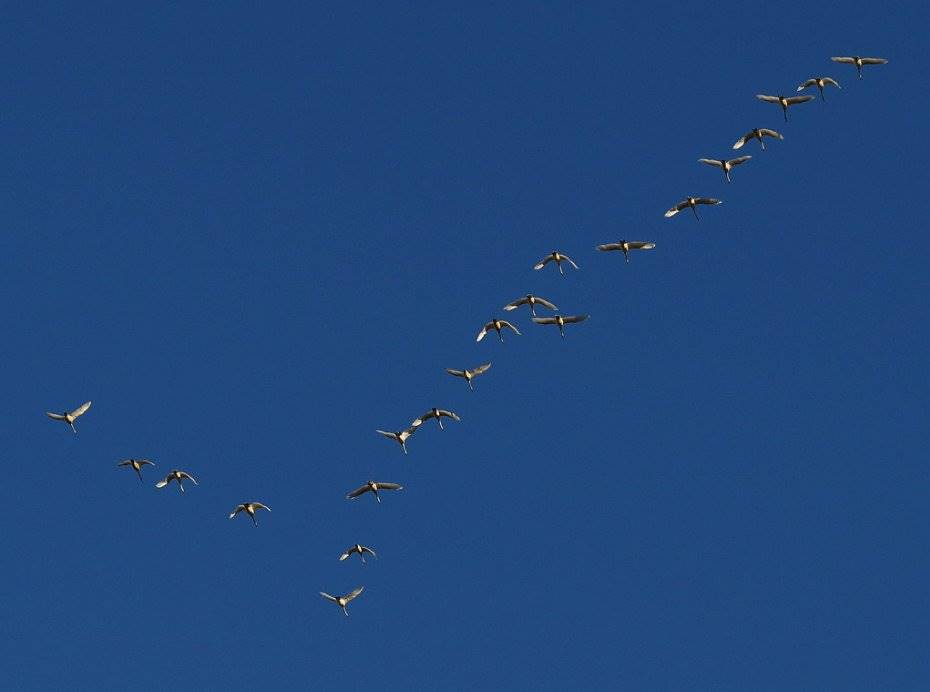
x: 403, y: 445
x: 180, y: 487
x: 254, y: 520
x: 762, y: 142
x: 73, y: 429
x: 345, y: 611
x: 471, y: 386
x: 377, y: 497
x: 822, y: 97
x: 561, y: 271
x: 562, y: 330
x: 362, y: 555
x: 533, y: 310
x: 439, y: 418
x: 785, y: 111
x: 139, y: 474
x: 500, y: 336
x: 626, y: 255
x: 727, y: 173
x: 694, y: 209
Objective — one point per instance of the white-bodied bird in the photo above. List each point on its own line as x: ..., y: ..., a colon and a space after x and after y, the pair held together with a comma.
x: 820, y: 83
x: 496, y: 325
x: 438, y: 414
x: 137, y: 465
x: 532, y: 301
x: 179, y: 476
x: 469, y: 375
x: 399, y: 437
x: 692, y: 202
x: 726, y: 165
x: 373, y: 487
x: 561, y: 321
x: 859, y: 62
x: 626, y: 246
x: 249, y: 508
x: 70, y: 416
x: 556, y: 257
x: 785, y: 101
x: 343, y: 601
x: 360, y: 549
x: 758, y: 133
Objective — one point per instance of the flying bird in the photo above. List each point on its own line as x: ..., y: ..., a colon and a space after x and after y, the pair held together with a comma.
x: 819, y: 82
x: 626, y: 246
x: 469, y: 375
x: 561, y: 321
x: 69, y: 418
x: 725, y: 165
x: 691, y: 202
x: 438, y: 414
x: 785, y: 101
x: 360, y: 549
x: 556, y: 257
x: 859, y: 62
x: 343, y: 601
x: 496, y: 325
x: 758, y: 133
x: 532, y: 301
x: 399, y: 437
x: 249, y: 508
x: 374, y: 487
x: 137, y: 465
x: 178, y: 476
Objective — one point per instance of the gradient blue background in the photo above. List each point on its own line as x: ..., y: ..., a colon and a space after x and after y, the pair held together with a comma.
x: 253, y: 235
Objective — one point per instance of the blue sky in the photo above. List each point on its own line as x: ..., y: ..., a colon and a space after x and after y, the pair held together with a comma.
x: 254, y: 235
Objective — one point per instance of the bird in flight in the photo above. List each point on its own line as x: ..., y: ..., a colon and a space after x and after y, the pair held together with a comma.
x: 374, y: 487
x: 343, y: 601
x: 360, y: 549
x: 556, y: 257
x: 532, y: 301
x: 785, y: 101
x: 859, y: 62
x: 249, y: 508
x: 137, y: 465
x: 758, y: 133
x: 179, y: 476
x: 691, y: 202
x: 819, y: 82
x: 399, y: 437
x: 70, y: 417
x: 561, y: 321
x: 469, y: 375
x: 725, y: 165
x: 496, y: 325
x: 438, y: 414
x: 626, y: 246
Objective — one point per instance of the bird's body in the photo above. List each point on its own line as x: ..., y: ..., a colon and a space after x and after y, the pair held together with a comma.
x: 726, y: 165
x: 785, y: 101
x: 561, y: 321
x: 859, y: 62
x: 176, y: 475
x: 757, y: 133
x: 249, y: 508
x: 360, y: 549
x: 137, y: 465
x: 343, y: 601
x: 691, y: 202
x: 373, y: 487
x: 820, y: 83
x: 70, y: 416
x: 558, y: 258
x: 626, y: 246
x: 532, y: 301
x: 469, y: 375
x: 399, y: 437
x: 496, y: 325
x: 438, y: 414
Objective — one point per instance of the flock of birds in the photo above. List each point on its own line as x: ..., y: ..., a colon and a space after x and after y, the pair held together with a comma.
x: 499, y: 326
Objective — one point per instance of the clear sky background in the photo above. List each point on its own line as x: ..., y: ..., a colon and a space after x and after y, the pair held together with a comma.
x: 254, y: 234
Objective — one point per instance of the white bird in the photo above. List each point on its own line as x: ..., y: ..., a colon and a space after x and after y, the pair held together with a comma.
x: 691, y: 202
x: 758, y: 133
x: 137, y: 465
x: 343, y: 601
x: 725, y: 165
x: 438, y: 414
x: 399, y: 437
x: 70, y: 417
x: 374, y: 487
x: 178, y: 476
x: 561, y: 321
x: 249, y: 508
x: 531, y: 300
x: 626, y: 246
x: 360, y: 549
x: 556, y: 257
x: 469, y: 375
x: 785, y: 101
x: 496, y: 325
x: 819, y: 82
x: 859, y: 62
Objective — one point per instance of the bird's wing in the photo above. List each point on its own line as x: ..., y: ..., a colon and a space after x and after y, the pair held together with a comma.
x: 481, y: 368
x: 791, y: 100
x: 56, y: 416
x: 163, y: 482
x: 545, y: 303
x: 259, y: 505
x: 81, y: 410
x: 358, y: 491
x: 830, y: 80
x: 185, y: 474
x: 125, y: 463
x: 146, y: 462
x: 345, y: 555
x: 737, y: 161
x: 328, y: 597
x: 484, y: 331
x: 515, y: 304
x: 765, y: 132
x: 874, y: 61
x: 457, y: 373
x: 849, y: 61
x: 236, y: 511
x: 677, y: 208
x: 389, y: 486
x: 707, y: 200
x: 366, y: 549
x: 807, y: 83
x: 571, y: 319
x: 570, y: 261
x: 742, y: 140
x: 545, y: 320
x: 354, y: 594
x: 389, y: 435
x: 449, y: 414
x: 640, y: 245
x: 419, y: 421
x: 607, y: 247
x: 507, y: 324
x: 543, y: 262
x: 711, y: 162
x: 767, y: 99
x: 408, y: 432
